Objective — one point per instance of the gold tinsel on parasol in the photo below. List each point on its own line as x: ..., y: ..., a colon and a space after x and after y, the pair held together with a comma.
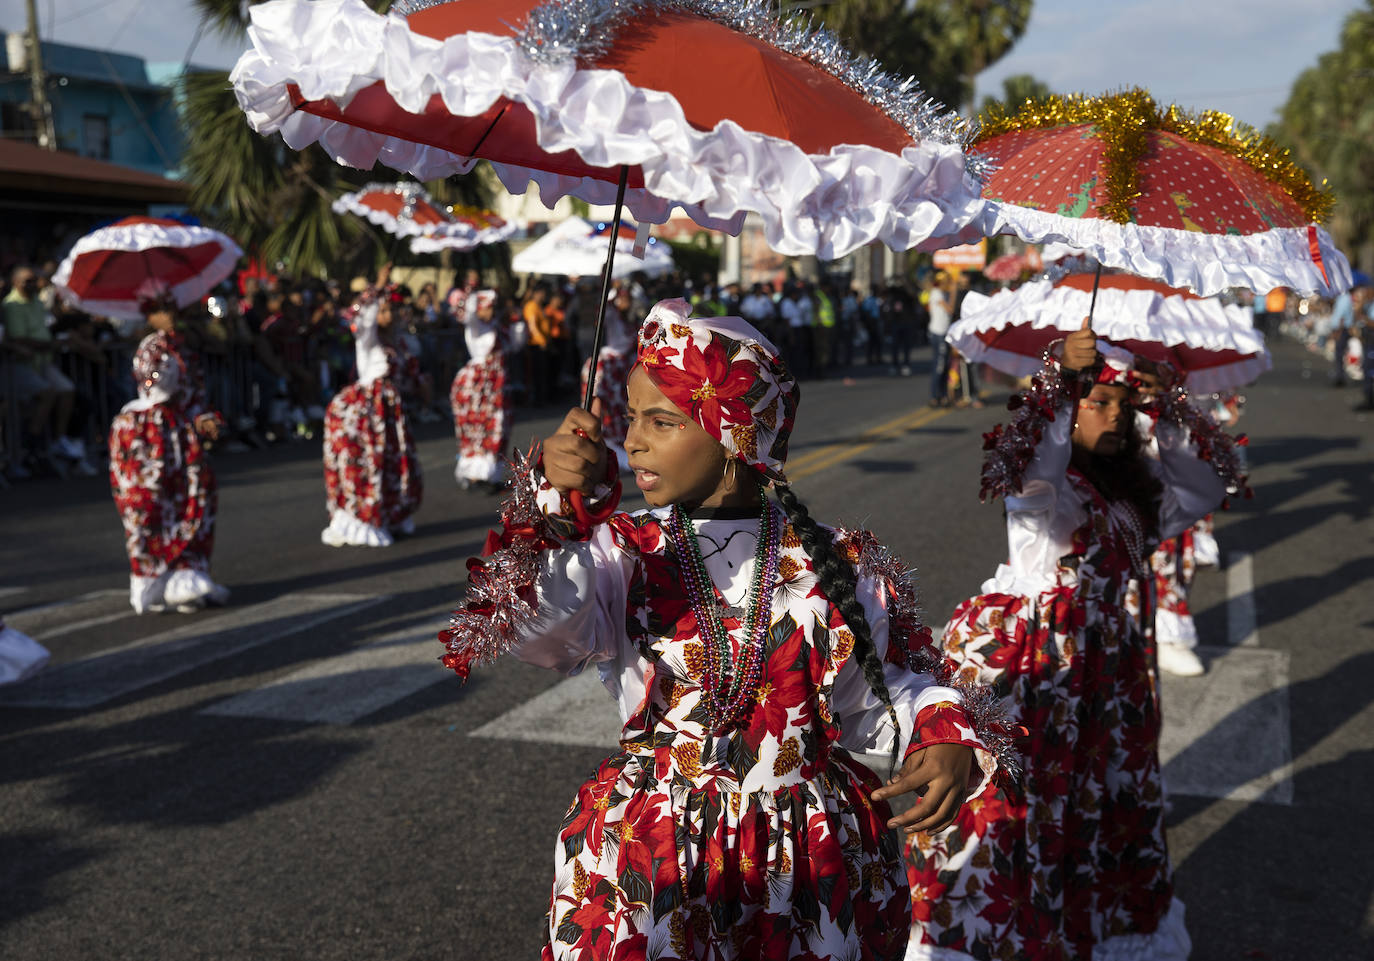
x: 1124, y: 120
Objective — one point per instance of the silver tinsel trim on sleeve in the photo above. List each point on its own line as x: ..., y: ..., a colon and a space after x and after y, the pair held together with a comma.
x: 499, y: 605
x: 1009, y: 448
x: 558, y: 31
x: 985, y: 713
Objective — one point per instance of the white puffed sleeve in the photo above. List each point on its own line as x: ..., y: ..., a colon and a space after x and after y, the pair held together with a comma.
x: 1041, y: 516
x: 580, y: 616
x: 368, y: 353
x: 1192, y: 487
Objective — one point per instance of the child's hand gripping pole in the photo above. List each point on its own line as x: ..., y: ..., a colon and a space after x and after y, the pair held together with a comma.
x: 1080, y: 354
x: 575, y: 459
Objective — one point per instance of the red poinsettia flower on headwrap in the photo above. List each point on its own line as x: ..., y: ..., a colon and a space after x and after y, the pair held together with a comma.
x: 726, y: 376
x: 1117, y: 367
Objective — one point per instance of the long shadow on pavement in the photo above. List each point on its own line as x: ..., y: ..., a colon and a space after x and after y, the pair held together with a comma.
x: 1274, y: 881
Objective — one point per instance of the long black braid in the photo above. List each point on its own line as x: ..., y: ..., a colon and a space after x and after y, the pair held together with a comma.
x: 840, y: 584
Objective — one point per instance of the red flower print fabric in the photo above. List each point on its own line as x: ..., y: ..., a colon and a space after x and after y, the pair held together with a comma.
x: 371, y: 469
x: 482, y: 416
x: 1075, y: 858
x: 160, y: 475
x: 761, y: 841
x: 727, y: 377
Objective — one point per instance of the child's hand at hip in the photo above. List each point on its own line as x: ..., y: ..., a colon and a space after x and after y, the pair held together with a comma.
x: 940, y: 774
x: 574, y: 456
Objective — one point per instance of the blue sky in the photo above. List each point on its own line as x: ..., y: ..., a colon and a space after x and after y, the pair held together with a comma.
x: 1239, y: 56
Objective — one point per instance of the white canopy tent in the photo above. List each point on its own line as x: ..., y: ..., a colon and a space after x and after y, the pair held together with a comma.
x: 576, y: 248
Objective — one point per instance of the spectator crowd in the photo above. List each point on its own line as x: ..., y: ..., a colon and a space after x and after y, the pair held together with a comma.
x: 274, y: 351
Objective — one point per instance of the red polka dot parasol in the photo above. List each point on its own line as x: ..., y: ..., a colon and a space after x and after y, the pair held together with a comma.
x: 1195, y: 200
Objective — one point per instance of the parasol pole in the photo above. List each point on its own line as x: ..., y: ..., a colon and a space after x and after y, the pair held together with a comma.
x: 1076, y: 388
x: 1092, y: 304
x: 600, y: 333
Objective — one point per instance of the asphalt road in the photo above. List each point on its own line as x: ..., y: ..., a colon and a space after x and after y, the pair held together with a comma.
x: 293, y: 776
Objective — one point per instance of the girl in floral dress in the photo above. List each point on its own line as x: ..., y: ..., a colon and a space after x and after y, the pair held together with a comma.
x: 1074, y: 864
x: 749, y: 651
x: 372, y: 473
x: 613, y: 364
x: 160, y: 474
x: 482, y: 411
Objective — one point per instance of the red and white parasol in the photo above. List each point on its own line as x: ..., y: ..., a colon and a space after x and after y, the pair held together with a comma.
x: 714, y: 107
x: 407, y: 210
x: 470, y: 227
x: 109, y: 270
x: 1212, y: 344
x: 1195, y: 200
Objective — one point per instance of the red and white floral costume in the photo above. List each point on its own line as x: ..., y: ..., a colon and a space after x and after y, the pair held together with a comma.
x: 372, y: 477
x: 613, y: 365
x: 761, y: 842
x: 482, y: 410
x: 163, y: 485
x: 1072, y: 865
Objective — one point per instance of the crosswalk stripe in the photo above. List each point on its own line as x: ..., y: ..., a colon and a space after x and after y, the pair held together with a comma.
x: 1227, y: 734
x: 578, y: 711
x: 110, y: 674
x: 11, y: 591
x: 347, y: 687
x: 1241, y: 624
x: 84, y: 624
x: 44, y: 618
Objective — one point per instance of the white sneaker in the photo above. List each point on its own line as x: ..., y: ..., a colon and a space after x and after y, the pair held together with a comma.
x: 1180, y: 661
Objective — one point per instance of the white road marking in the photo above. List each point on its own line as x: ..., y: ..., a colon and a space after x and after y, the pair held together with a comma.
x: 578, y: 711
x: 11, y: 591
x: 350, y: 686
x: 1242, y: 627
x: 110, y: 674
x: 1227, y: 734
x: 48, y: 620
x: 84, y: 624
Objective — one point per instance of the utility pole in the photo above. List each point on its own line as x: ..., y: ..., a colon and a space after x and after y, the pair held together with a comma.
x: 39, y: 106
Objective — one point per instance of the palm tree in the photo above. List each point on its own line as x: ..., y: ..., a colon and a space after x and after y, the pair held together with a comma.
x: 274, y: 200
x: 944, y: 44
x: 1016, y: 90
x: 1328, y: 123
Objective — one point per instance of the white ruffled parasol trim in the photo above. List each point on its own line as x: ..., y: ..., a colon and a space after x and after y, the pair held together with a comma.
x: 400, y: 226
x: 1120, y: 315
x: 1204, y: 263
x: 461, y: 236
x: 826, y: 205
x: 148, y: 236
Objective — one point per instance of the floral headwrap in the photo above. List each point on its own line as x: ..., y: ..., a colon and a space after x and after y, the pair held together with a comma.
x: 158, y: 369
x: 479, y: 299
x: 1117, y: 367
x: 726, y: 376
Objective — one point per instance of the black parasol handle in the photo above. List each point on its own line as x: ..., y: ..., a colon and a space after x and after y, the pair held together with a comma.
x: 600, y: 333
x: 1092, y: 305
